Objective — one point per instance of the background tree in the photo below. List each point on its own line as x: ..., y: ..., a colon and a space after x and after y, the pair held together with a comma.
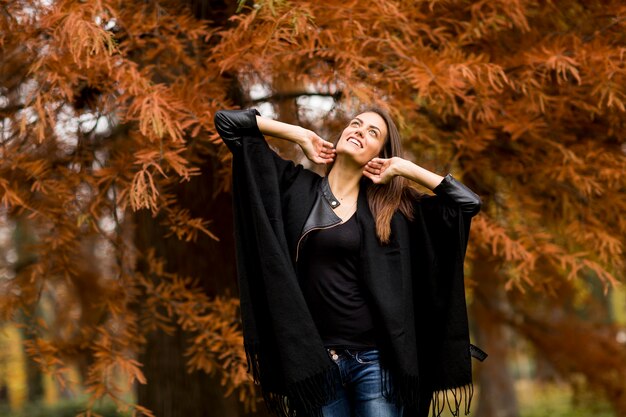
x: 108, y: 149
x: 102, y: 120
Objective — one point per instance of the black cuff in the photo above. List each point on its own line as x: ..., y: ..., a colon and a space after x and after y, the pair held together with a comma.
x: 458, y: 193
x: 232, y: 125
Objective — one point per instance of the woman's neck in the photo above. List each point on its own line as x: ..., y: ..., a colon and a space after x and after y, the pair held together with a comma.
x: 344, y: 179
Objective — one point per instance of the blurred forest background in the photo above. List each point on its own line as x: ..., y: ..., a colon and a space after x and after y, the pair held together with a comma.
x: 118, y: 293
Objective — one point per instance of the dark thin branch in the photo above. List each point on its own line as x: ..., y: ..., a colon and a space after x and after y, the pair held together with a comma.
x: 8, y: 111
x: 295, y: 94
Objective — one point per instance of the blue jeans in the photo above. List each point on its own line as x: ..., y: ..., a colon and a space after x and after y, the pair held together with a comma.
x: 359, y: 390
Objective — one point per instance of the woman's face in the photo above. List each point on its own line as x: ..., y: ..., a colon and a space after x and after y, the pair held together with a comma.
x: 363, y: 138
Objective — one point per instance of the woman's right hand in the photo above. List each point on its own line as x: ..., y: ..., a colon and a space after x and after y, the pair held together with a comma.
x: 316, y: 149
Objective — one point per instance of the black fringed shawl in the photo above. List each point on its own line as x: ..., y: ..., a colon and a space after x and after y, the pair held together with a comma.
x: 415, y: 281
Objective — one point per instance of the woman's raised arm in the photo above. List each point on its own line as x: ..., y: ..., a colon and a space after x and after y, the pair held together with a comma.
x: 316, y: 149
x: 381, y: 170
x: 232, y: 125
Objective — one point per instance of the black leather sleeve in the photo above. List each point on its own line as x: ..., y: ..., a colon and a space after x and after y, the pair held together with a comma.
x: 457, y: 193
x: 235, y: 125
x: 232, y: 125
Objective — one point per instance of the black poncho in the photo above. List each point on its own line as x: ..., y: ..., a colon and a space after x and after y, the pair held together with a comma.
x: 416, y: 282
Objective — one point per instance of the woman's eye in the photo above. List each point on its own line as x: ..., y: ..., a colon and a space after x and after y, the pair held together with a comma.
x: 373, y: 132
x: 354, y: 123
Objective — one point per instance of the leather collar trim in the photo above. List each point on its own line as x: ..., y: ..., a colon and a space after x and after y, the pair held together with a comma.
x: 328, y: 194
x: 321, y: 215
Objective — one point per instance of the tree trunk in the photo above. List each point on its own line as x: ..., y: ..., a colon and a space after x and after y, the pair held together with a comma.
x: 171, y: 391
x: 23, y: 239
x: 497, y: 392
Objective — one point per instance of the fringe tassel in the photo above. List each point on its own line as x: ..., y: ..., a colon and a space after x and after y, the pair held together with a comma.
x: 304, y: 398
x: 310, y: 394
x: 441, y: 398
x: 399, y: 387
x: 252, y: 360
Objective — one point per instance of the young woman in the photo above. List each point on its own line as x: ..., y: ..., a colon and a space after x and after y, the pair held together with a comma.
x: 351, y: 283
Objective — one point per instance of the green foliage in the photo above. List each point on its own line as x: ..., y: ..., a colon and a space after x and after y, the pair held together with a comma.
x: 64, y: 408
x: 547, y: 400
x: 537, y: 399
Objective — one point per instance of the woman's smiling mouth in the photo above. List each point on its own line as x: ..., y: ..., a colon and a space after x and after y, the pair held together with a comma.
x: 356, y: 142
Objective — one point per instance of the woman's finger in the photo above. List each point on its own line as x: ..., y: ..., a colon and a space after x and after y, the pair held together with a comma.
x: 323, y: 141
x: 375, y: 179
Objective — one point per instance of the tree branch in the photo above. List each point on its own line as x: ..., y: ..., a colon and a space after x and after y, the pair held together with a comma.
x: 295, y: 94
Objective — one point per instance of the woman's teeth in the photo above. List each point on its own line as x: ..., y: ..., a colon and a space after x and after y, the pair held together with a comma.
x: 356, y: 142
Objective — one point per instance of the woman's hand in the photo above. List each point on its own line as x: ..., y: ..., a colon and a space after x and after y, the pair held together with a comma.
x: 381, y: 170
x: 316, y: 149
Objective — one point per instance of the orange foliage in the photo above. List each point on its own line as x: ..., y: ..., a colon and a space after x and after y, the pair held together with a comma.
x: 107, y: 106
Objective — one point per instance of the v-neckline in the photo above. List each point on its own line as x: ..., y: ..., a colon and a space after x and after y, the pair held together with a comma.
x: 353, y: 215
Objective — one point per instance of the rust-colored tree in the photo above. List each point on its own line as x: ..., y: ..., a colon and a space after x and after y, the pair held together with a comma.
x: 108, y: 149
x: 105, y: 115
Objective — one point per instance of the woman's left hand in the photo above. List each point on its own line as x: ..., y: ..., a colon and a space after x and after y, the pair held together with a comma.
x: 381, y: 170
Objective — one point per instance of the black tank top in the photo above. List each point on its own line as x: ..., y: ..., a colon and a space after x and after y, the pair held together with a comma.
x: 331, y: 280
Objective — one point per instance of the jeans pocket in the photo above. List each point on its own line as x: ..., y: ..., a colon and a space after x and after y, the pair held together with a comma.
x: 367, y: 356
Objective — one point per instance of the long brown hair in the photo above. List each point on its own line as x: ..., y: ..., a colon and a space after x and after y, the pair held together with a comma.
x: 385, y: 199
